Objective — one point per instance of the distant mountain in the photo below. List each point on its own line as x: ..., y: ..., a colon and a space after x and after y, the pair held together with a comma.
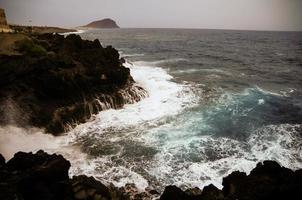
x: 104, y: 23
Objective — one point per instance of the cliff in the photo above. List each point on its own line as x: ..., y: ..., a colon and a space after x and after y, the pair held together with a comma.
x: 105, y: 23
x: 55, y: 82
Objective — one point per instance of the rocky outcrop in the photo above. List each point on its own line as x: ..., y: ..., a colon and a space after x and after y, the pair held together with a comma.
x: 54, y: 82
x: 42, y: 176
x: 104, y: 23
x: 34, y: 176
x: 267, y: 181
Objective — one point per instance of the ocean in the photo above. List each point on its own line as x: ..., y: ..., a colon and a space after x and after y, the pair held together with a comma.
x: 219, y: 101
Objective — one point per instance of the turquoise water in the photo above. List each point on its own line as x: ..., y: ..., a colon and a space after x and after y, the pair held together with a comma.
x: 218, y: 101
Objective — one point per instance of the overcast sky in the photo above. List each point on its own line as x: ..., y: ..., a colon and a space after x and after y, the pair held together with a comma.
x: 213, y: 14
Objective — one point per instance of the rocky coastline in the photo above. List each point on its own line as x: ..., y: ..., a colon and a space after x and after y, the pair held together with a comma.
x: 40, y: 176
x: 55, y: 82
x: 39, y: 29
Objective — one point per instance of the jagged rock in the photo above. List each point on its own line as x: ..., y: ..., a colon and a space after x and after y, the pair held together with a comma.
x: 34, y: 176
x: 193, y: 191
x: 50, y: 81
x: 211, y: 192
x: 175, y: 193
x: 89, y: 188
x: 267, y: 181
x: 41, y: 165
x: 39, y: 176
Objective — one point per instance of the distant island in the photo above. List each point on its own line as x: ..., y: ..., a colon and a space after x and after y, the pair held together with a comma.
x: 104, y: 23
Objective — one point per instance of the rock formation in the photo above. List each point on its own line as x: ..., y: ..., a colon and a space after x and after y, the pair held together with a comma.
x: 104, y: 23
x: 267, y: 181
x: 3, y: 23
x: 54, y: 82
x: 42, y: 176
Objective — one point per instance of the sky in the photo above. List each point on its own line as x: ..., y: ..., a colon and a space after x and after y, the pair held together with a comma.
x: 285, y: 15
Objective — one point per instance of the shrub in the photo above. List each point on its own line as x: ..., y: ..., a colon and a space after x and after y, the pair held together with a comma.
x: 27, y: 46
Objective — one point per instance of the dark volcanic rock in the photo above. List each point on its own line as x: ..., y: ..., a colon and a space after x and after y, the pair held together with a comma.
x: 175, y: 193
x: 34, y: 176
x: 104, y: 23
x: 51, y: 81
x: 42, y: 176
x: 85, y: 187
x: 267, y: 181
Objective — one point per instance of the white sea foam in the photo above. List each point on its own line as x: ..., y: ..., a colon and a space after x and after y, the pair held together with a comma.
x: 130, y: 55
x: 183, y: 156
x: 75, y: 32
x: 158, y: 62
x: 188, y: 71
x: 186, y: 162
x: 166, y: 98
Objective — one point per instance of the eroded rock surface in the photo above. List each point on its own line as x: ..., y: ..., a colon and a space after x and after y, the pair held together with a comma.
x: 267, y: 181
x: 51, y: 81
x: 40, y: 176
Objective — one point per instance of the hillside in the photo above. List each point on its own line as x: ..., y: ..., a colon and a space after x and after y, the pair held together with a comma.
x: 104, y: 23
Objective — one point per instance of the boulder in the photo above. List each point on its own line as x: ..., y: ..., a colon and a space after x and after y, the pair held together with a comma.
x: 85, y: 187
x: 174, y: 193
x: 35, y: 177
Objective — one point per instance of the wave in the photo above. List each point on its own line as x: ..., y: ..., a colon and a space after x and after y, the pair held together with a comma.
x: 159, y: 62
x: 130, y: 55
x: 191, y: 160
x: 166, y: 98
x: 188, y: 71
x: 75, y: 32
x: 170, y: 138
x: 120, y: 128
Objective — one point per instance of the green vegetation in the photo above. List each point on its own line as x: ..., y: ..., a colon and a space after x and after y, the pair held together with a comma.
x: 28, y: 47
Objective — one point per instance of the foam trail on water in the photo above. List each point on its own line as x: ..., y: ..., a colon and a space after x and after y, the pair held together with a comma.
x: 159, y: 62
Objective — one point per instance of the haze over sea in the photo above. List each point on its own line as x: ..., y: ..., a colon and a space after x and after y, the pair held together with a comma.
x: 218, y: 101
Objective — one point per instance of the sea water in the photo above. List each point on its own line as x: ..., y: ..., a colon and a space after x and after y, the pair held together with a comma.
x: 218, y: 101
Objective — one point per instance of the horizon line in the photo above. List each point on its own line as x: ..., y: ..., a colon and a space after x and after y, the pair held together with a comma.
x: 184, y: 28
